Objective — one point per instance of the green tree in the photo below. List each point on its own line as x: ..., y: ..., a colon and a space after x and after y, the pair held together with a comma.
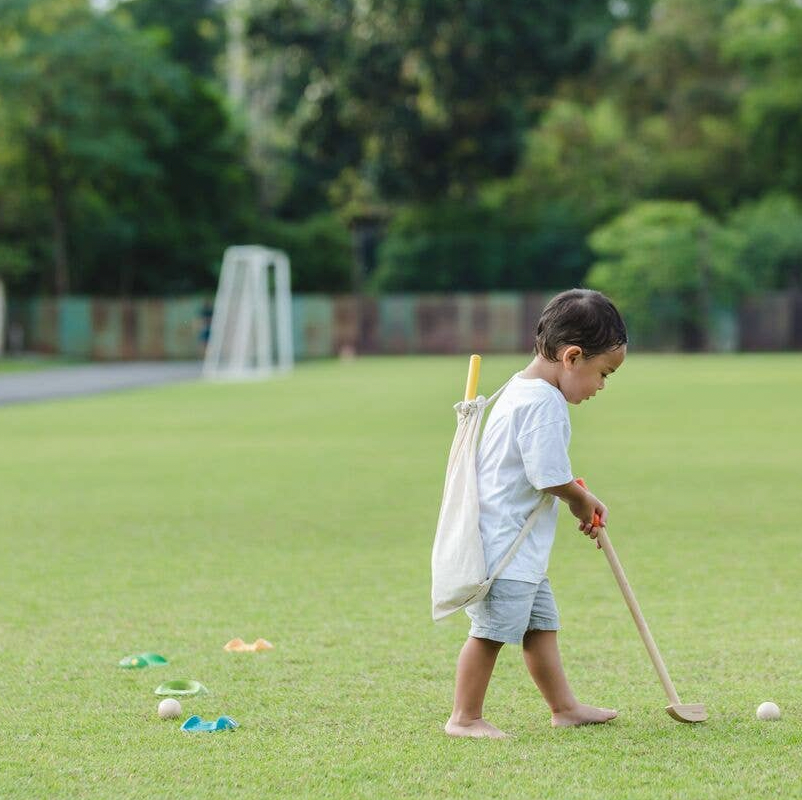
x: 78, y: 91
x: 679, y: 99
x: 582, y: 155
x: 193, y: 30
x: 165, y: 232
x: 129, y: 161
x: 476, y: 246
x: 420, y: 98
x: 763, y: 41
x: 665, y: 263
x: 768, y: 236
x: 17, y: 222
x: 319, y: 248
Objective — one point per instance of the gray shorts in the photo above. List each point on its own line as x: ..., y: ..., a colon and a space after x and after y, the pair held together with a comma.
x: 511, y: 608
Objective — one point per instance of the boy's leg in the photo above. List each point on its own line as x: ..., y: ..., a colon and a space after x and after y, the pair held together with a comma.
x: 474, y: 668
x: 542, y: 657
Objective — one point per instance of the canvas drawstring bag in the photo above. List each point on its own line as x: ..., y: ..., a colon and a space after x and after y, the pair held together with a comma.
x: 459, y: 572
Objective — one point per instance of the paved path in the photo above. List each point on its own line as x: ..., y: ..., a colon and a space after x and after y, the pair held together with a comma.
x: 49, y: 384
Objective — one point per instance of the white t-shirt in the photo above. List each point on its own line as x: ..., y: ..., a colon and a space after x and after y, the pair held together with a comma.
x: 524, y: 449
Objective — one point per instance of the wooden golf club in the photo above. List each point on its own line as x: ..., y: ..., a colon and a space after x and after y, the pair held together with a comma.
x: 683, y: 712
x: 473, y: 377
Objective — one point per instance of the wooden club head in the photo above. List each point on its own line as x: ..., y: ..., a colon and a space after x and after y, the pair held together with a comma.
x: 687, y: 712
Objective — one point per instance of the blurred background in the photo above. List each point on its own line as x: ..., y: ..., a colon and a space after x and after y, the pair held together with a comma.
x: 435, y: 169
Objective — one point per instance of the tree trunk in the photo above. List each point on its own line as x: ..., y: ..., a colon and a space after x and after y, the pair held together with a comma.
x: 693, y: 336
x: 697, y: 333
x: 236, y: 53
x: 60, y: 262
x: 58, y: 195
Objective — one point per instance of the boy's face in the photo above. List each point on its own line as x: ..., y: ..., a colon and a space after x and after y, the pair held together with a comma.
x: 582, y: 377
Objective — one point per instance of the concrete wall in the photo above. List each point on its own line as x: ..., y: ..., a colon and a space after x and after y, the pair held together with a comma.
x: 106, y: 329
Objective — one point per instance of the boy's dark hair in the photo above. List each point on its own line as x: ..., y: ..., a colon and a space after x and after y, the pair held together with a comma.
x: 581, y: 317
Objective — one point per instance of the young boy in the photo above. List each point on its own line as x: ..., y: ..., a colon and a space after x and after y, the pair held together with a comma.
x: 523, y: 460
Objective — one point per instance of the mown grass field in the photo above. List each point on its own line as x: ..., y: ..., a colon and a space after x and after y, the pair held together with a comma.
x: 28, y: 363
x: 302, y: 510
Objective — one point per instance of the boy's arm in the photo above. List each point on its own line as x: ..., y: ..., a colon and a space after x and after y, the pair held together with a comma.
x: 583, y: 505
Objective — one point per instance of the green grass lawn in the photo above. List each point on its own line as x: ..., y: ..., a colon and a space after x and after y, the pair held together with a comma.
x: 302, y: 510
x: 28, y: 363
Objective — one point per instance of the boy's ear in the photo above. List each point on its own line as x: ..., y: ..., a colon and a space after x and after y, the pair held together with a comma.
x: 571, y: 354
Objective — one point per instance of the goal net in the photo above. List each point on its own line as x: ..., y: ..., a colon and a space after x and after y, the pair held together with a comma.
x: 251, y: 329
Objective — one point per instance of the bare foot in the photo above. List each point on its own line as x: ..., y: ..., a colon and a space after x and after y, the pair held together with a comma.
x: 476, y: 728
x: 582, y: 715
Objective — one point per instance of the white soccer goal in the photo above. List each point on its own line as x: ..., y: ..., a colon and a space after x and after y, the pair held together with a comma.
x: 251, y: 330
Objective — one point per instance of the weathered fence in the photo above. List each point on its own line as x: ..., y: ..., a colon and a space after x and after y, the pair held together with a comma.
x: 105, y: 329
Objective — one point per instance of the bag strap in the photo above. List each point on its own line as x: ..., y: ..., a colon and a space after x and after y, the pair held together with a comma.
x: 522, y: 534
x: 465, y: 407
x: 530, y: 520
x: 493, y: 397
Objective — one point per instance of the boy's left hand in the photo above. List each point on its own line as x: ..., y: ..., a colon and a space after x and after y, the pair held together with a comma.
x: 585, y: 506
x: 593, y: 523
x: 592, y: 514
x: 594, y: 528
x: 590, y: 530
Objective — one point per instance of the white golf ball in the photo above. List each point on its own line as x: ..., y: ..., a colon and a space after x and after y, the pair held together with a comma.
x: 169, y: 708
x: 768, y: 710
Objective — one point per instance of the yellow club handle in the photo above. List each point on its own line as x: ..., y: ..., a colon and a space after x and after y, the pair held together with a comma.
x: 473, y: 377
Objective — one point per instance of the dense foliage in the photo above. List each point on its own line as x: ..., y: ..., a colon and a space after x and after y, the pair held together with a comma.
x: 651, y: 149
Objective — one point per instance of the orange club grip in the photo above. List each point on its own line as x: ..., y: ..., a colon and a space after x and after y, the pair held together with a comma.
x: 596, y: 518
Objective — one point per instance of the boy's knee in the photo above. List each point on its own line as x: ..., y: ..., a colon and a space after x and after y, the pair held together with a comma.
x: 491, y: 643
